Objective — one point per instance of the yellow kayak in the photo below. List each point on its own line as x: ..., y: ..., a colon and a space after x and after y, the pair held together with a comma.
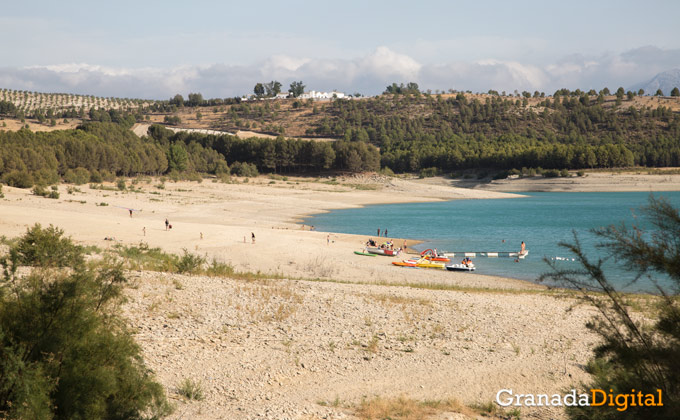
x: 422, y: 263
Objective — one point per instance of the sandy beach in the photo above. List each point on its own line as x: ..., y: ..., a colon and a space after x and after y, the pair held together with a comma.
x: 336, y: 327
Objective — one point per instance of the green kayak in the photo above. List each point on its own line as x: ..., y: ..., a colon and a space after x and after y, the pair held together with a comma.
x: 364, y: 253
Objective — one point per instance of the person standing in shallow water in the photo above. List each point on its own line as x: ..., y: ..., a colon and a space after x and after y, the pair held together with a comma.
x: 378, y: 232
x: 524, y: 248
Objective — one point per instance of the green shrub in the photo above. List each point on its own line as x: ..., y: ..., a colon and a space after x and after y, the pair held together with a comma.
x: 191, y: 390
x: 64, y: 352
x: 42, y: 192
x: 18, y: 179
x: 120, y: 184
x: 189, y: 263
x: 429, y: 172
x: 108, y: 176
x: 218, y: 269
x: 96, y: 176
x: 551, y: 173
x: 78, y: 176
x: 387, y: 171
x: 39, y: 190
x: 172, y: 119
x: 501, y: 175
x: 46, y: 176
x: 193, y: 176
x: 47, y: 248
x: 244, y: 169
x: 141, y: 257
x: 221, y: 168
x: 174, y: 176
x: 581, y: 173
x: 564, y: 173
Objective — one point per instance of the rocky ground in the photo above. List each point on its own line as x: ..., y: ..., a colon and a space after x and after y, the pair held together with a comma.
x: 281, y: 349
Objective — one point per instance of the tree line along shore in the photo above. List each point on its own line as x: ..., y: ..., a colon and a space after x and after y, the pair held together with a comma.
x: 401, y: 131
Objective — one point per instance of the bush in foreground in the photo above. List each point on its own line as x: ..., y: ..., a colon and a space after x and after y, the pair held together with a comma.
x: 64, y: 353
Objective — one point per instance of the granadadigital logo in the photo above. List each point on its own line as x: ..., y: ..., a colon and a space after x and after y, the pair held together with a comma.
x: 596, y: 398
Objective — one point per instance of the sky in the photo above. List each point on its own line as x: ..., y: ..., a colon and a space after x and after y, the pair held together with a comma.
x: 156, y: 49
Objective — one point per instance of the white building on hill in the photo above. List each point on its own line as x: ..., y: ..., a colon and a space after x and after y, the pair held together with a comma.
x: 322, y: 95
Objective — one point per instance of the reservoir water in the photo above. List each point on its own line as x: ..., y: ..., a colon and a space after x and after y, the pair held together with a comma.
x: 541, y: 220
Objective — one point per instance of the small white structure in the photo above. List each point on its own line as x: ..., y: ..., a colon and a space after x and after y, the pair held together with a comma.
x: 282, y: 95
x: 322, y: 95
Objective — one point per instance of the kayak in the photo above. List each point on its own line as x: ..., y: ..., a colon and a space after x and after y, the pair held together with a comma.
x: 366, y: 254
x: 418, y: 263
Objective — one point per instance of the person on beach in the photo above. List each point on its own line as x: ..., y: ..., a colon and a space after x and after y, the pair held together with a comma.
x: 328, y: 239
x: 252, y: 237
x: 130, y: 210
x: 144, y: 230
x: 404, y: 246
x: 166, y: 224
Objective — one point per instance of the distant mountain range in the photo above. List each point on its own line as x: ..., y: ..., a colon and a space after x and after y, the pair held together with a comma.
x: 665, y: 81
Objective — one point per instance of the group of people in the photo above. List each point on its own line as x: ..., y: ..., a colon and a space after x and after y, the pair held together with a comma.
x: 466, y: 261
x: 384, y: 245
x: 384, y: 233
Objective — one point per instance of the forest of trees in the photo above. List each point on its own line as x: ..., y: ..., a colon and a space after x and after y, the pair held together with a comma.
x: 404, y: 130
x: 100, y: 149
x: 97, y: 150
x: 570, y: 130
x: 277, y: 155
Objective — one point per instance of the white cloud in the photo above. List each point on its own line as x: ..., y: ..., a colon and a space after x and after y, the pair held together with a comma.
x: 385, y: 63
x: 368, y: 74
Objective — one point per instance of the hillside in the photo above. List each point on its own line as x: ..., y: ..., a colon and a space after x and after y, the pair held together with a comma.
x: 27, y: 101
x: 414, y: 131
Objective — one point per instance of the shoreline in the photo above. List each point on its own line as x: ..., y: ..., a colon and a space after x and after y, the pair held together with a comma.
x: 414, y: 248
x: 335, y: 326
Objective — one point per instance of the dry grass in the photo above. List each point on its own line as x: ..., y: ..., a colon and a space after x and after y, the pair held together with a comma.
x: 269, y: 301
x: 403, y: 408
x: 320, y: 267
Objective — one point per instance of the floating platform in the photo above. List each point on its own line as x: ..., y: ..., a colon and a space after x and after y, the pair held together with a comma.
x: 492, y: 254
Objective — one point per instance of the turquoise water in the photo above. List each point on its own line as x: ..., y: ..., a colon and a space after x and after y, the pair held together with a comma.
x: 541, y: 220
